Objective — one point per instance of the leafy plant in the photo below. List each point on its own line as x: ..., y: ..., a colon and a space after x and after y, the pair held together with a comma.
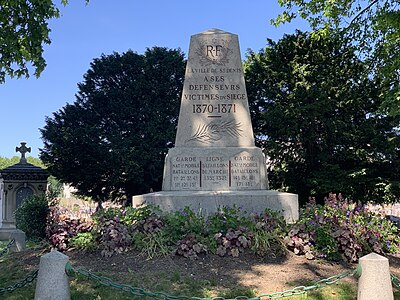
x: 146, y: 226
x: 300, y: 241
x: 268, y: 234
x: 190, y: 247
x: 84, y: 241
x: 109, y: 213
x: 270, y: 221
x: 180, y: 223
x: 151, y: 244
x: 340, y: 228
x: 114, y: 237
x: 227, y: 218
x: 151, y: 224
x: 60, y: 228
x: 31, y: 216
x: 233, y: 242
x: 132, y: 215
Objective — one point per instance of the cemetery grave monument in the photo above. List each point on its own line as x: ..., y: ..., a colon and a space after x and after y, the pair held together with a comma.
x: 17, y: 182
x: 215, y: 162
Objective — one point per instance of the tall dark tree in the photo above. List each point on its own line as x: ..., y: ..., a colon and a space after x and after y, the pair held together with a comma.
x: 314, y: 110
x: 111, y: 142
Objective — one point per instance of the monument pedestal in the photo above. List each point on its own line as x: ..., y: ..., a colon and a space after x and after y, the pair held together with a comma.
x: 208, y: 202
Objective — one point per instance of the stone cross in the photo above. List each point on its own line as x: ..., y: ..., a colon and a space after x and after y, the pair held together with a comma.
x: 23, y: 149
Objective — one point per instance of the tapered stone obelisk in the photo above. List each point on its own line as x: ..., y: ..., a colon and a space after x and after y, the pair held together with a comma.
x: 214, y: 147
x: 214, y: 162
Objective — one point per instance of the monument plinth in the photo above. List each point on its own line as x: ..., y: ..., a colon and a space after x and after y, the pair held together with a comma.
x: 215, y: 162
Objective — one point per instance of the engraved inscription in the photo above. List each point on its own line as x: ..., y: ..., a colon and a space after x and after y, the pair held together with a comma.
x: 245, y: 170
x: 185, y: 173
x: 216, y: 172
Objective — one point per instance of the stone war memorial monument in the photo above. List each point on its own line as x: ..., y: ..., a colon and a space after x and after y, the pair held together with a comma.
x: 215, y: 162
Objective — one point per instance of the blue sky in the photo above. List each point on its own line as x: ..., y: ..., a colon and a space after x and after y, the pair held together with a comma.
x: 85, y: 32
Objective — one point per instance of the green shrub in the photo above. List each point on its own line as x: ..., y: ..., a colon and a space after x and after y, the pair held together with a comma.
x: 107, y: 214
x: 129, y: 215
x: 31, y: 216
x: 54, y: 190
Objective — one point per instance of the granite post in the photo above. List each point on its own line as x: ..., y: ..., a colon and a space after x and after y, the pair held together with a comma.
x: 52, y: 282
x: 215, y: 162
x: 375, y: 282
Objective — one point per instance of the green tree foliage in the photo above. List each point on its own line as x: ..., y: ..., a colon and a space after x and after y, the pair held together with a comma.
x: 373, y: 26
x: 111, y: 142
x: 6, y: 162
x: 313, y: 107
x: 23, y: 31
x: 54, y: 188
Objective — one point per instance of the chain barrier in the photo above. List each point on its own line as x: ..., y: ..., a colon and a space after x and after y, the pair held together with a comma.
x: 395, y: 281
x: 317, y: 285
x: 5, y: 250
x: 28, y: 279
x: 163, y: 296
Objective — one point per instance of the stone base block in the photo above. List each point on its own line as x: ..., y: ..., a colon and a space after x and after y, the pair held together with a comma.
x: 208, y: 202
x: 16, y: 234
x: 8, y: 225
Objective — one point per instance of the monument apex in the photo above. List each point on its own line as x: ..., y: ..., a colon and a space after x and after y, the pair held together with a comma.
x: 214, y: 107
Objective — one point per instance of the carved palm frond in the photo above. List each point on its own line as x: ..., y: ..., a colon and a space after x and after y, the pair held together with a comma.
x: 216, y: 130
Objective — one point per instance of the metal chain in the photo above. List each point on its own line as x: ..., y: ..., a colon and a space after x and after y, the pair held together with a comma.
x: 162, y: 296
x: 28, y: 279
x: 5, y: 250
x: 395, y: 281
x: 317, y: 285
